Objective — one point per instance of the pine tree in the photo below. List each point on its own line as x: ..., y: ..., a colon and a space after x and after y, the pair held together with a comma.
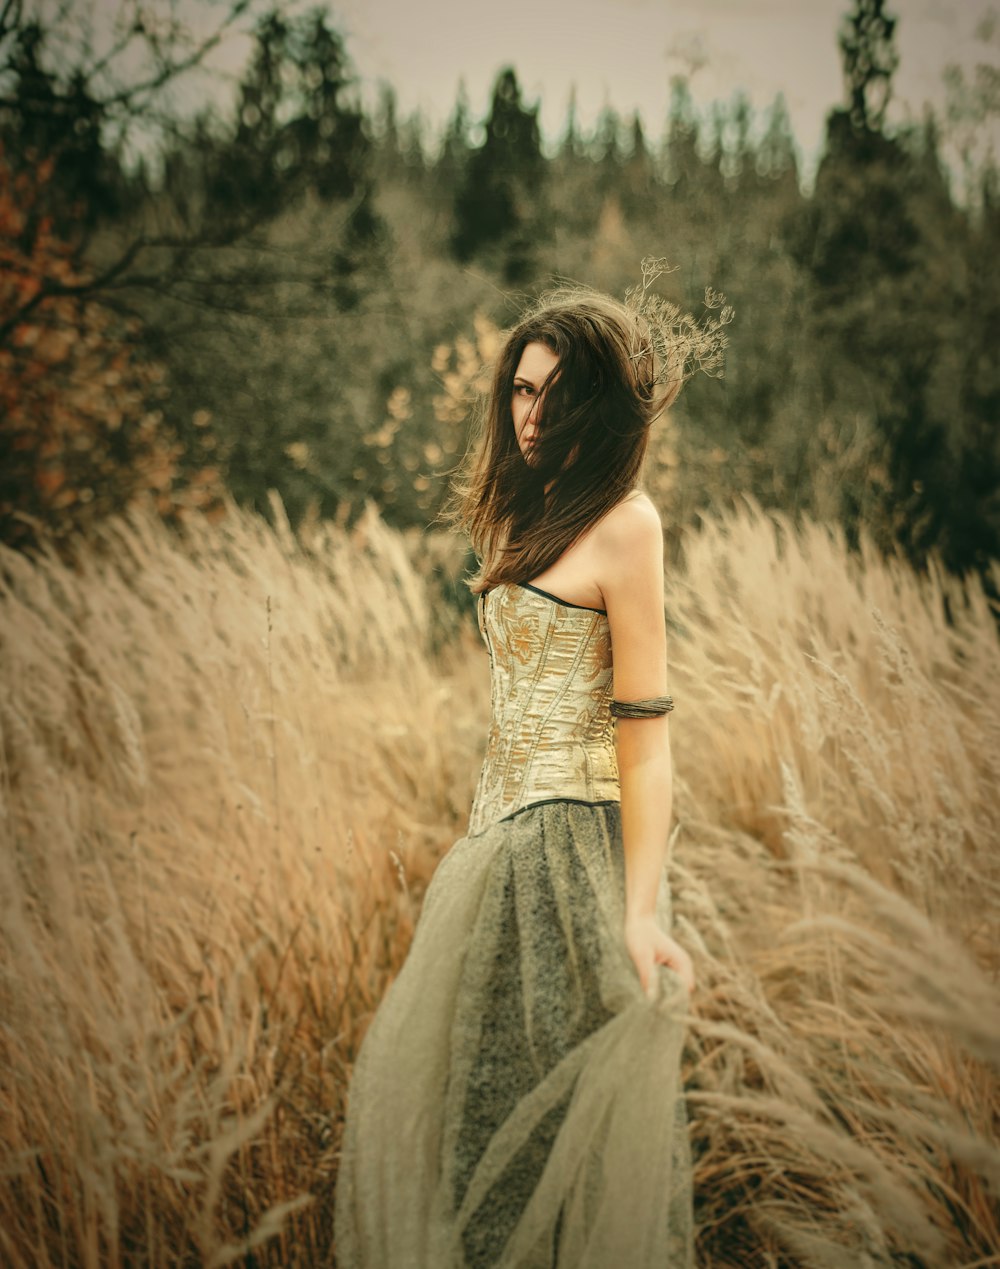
x: 682, y: 160
x: 571, y: 147
x: 296, y: 127
x: 47, y: 120
x: 740, y: 157
x: 455, y: 148
x: 870, y: 61
x: 637, y: 177
x: 574, y: 183
x: 385, y: 126
x: 499, y: 206
x: 776, y: 158
x: 413, y: 147
x: 883, y: 246
x: 607, y: 147
x: 448, y: 173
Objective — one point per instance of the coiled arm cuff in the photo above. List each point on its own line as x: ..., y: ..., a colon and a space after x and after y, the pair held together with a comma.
x: 651, y: 708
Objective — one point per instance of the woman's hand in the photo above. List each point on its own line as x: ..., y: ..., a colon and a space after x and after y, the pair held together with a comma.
x: 648, y: 947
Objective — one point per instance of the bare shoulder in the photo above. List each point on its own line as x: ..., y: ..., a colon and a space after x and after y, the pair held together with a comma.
x: 631, y: 526
x: 630, y: 576
x: 628, y: 554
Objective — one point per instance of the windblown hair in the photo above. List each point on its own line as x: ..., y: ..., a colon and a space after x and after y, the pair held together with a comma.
x: 618, y: 368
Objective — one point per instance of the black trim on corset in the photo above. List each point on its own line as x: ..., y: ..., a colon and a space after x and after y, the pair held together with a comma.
x: 556, y: 600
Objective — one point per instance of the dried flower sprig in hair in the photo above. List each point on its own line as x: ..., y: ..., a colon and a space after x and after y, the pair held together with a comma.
x: 679, y: 344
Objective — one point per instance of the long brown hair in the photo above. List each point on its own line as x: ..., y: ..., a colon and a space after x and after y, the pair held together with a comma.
x: 597, y: 407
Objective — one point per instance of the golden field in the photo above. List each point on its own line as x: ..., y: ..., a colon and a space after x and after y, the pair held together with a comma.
x: 232, y: 758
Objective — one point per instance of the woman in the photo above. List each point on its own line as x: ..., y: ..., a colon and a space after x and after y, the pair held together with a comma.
x: 517, y: 1099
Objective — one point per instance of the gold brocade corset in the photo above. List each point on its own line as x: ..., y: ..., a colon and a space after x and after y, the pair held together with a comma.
x: 551, y: 731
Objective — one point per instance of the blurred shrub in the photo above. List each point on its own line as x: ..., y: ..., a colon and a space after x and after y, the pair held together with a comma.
x: 81, y: 431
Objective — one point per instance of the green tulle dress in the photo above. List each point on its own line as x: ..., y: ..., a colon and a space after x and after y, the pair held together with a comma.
x: 517, y: 1100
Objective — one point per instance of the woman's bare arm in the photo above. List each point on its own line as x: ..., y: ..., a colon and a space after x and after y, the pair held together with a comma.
x: 629, y: 551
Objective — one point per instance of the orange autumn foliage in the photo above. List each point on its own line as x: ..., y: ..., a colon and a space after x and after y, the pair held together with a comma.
x: 81, y: 432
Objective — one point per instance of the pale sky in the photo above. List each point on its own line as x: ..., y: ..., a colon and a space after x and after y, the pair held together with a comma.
x: 623, y: 53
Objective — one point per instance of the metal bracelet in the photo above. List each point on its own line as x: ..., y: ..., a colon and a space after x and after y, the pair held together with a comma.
x: 651, y: 708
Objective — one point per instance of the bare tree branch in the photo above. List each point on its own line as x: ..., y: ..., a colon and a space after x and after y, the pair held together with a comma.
x: 170, y: 70
x: 10, y: 18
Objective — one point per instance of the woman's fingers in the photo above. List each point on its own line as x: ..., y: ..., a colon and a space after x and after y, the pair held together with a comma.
x: 679, y: 960
x: 648, y: 946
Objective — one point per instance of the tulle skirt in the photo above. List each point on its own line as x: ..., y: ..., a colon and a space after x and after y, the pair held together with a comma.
x: 517, y: 1101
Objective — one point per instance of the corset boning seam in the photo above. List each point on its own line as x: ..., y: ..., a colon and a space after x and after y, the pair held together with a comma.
x: 516, y: 724
x: 559, y: 697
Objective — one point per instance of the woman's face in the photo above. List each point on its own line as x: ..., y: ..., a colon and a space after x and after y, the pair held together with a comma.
x: 536, y: 364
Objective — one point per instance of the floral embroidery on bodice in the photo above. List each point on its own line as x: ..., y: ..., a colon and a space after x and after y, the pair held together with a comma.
x: 551, y: 731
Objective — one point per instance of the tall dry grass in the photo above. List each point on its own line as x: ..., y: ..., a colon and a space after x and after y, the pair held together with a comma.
x: 231, y: 761
x: 836, y: 863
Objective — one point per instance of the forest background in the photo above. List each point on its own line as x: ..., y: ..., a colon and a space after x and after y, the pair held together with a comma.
x: 239, y: 727
x: 288, y: 293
